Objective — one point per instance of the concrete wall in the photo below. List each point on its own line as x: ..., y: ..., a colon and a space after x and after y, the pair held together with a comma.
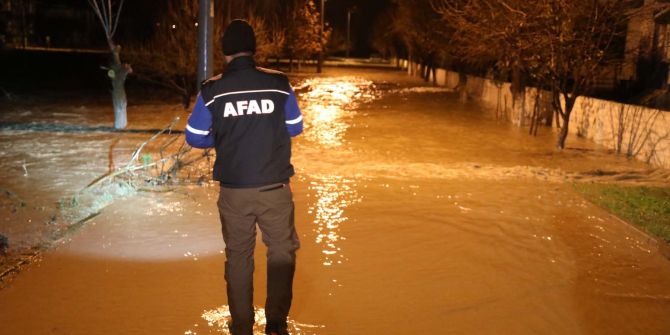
x: 636, y: 131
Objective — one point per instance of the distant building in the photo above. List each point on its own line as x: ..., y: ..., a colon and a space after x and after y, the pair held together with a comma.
x: 645, y: 68
x: 47, y: 24
x: 15, y: 22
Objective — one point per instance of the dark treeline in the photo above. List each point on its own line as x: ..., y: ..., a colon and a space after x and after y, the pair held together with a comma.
x: 167, y: 57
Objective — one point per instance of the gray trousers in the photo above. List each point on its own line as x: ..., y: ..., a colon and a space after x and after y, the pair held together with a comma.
x: 272, y: 208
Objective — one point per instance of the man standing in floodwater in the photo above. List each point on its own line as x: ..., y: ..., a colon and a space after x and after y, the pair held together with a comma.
x: 249, y: 114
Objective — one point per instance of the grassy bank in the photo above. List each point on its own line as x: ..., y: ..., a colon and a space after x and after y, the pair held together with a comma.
x: 646, y: 207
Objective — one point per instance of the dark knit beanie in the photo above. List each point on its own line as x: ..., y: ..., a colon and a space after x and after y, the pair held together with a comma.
x: 238, y: 37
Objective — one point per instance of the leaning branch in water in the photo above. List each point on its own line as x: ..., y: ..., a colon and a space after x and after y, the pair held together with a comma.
x: 130, y: 167
x: 137, y: 152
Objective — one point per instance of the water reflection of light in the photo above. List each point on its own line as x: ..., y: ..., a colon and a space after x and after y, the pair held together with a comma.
x: 333, y: 195
x: 220, y: 318
x: 329, y: 106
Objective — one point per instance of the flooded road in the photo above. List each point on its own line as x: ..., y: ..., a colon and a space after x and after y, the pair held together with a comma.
x: 417, y: 215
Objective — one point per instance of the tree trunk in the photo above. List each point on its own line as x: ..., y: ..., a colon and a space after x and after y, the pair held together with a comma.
x: 563, y: 134
x: 565, y: 127
x: 556, y: 106
x: 186, y: 99
x: 119, y: 99
x: 427, y: 72
x: 187, y: 91
x: 534, y: 122
x: 463, y: 86
x: 549, y: 121
x: 518, y: 88
x: 118, y: 74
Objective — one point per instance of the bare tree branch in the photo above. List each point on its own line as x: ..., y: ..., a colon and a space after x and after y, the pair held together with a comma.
x: 118, y: 14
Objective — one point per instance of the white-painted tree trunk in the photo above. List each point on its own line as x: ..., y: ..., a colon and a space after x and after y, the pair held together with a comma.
x: 118, y: 73
x: 119, y: 99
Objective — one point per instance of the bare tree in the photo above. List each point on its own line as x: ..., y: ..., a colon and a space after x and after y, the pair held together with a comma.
x: 492, y: 34
x: 585, y: 39
x: 169, y: 57
x: 561, y: 45
x: 108, y: 13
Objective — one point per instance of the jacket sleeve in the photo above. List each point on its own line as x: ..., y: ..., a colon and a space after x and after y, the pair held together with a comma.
x: 292, y: 115
x: 199, y: 126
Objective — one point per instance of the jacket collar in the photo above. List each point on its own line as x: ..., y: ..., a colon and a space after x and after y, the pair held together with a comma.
x: 241, y: 62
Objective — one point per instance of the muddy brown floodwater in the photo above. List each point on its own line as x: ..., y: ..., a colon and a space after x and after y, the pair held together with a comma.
x: 417, y: 215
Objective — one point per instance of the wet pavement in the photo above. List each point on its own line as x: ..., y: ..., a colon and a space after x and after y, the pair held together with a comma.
x: 417, y: 215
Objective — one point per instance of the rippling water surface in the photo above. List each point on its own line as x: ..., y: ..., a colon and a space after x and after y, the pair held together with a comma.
x: 417, y: 215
